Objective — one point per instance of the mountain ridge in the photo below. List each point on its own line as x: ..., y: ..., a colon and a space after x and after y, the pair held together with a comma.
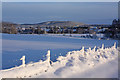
x: 57, y: 23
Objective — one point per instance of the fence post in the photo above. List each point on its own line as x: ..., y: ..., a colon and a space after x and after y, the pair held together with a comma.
x: 23, y: 61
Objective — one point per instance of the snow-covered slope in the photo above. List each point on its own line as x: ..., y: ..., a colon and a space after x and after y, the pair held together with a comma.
x: 34, y: 47
x: 97, y: 62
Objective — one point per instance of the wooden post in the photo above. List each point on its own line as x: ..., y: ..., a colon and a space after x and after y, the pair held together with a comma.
x: 23, y: 61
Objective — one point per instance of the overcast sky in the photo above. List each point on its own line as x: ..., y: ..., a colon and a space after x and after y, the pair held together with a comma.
x: 60, y: 0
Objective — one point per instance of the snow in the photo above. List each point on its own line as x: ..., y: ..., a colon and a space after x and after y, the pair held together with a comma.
x: 107, y: 70
x: 91, y: 63
x: 23, y: 61
x: 79, y: 35
x: 54, y: 56
x: 34, y: 47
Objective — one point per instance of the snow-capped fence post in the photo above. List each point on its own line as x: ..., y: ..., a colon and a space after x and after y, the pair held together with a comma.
x: 89, y: 48
x: 83, y: 51
x: 114, y: 45
x: 48, y: 57
x: 102, y: 46
x: 94, y: 48
x: 23, y: 61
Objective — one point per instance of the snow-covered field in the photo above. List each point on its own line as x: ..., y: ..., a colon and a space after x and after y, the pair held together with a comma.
x: 68, y: 57
x: 80, y: 35
x: 92, y: 63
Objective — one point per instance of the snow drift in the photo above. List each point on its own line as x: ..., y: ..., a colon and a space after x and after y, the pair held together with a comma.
x: 75, y: 63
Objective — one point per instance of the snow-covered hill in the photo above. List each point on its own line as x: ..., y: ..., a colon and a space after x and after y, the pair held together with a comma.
x: 97, y: 62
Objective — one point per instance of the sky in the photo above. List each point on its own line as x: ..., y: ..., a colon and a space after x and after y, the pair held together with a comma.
x: 36, y: 12
x: 60, y: 0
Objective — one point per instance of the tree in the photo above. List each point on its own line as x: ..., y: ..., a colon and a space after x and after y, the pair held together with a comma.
x: 13, y: 29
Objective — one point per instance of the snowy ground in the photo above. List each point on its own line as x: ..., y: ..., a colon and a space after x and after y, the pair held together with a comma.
x: 80, y: 35
x: 90, y: 63
x: 35, y: 48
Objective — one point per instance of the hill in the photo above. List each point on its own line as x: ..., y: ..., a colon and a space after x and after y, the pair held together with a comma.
x: 57, y: 23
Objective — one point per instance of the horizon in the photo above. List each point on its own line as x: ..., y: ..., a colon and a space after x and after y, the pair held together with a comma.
x: 53, y: 21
